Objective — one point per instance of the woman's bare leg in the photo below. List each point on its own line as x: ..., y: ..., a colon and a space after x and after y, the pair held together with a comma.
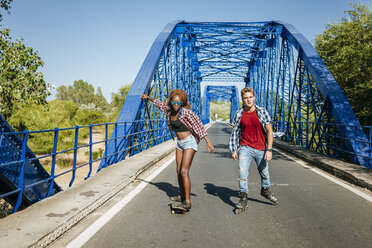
x: 187, y: 157
x: 179, y: 177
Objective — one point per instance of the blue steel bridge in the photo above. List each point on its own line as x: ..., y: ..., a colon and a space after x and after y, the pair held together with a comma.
x: 288, y: 76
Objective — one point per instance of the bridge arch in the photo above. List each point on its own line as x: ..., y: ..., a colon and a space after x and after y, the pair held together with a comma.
x: 288, y: 76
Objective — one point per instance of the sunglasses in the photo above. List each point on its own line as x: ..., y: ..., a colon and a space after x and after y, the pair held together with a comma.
x: 174, y: 103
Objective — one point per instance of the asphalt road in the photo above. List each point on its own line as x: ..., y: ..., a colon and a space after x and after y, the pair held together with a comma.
x: 312, y: 211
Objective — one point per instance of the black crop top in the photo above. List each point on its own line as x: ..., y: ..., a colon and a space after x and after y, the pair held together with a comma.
x: 178, y: 126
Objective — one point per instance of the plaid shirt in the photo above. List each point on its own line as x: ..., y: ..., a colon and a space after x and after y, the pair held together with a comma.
x: 187, y: 117
x: 263, y: 117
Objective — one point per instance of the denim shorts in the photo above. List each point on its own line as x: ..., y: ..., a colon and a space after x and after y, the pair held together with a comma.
x: 188, y: 142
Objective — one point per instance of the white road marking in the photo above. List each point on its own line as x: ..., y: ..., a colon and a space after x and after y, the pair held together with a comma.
x: 98, y: 224
x: 318, y: 171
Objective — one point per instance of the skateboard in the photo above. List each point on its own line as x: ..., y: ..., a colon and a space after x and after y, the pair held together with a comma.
x: 239, y: 210
x: 177, y: 210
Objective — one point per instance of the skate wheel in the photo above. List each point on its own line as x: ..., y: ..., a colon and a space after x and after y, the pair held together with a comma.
x: 173, y: 212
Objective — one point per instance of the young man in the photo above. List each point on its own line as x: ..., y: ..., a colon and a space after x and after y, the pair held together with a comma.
x: 252, y: 137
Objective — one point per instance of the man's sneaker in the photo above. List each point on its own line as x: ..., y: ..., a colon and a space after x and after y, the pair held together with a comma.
x: 268, y: 195
x: 185, y: 205
x: 243, y: 200
x: 176, y: 198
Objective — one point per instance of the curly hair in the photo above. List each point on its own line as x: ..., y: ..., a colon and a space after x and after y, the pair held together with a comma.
x: 182, y: 94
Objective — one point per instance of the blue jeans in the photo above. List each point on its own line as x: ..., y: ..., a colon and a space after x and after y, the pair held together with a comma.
x: 246, y: 154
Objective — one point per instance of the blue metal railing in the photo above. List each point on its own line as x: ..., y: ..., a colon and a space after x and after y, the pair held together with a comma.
x: 137, y: 137
x: 329, y: 138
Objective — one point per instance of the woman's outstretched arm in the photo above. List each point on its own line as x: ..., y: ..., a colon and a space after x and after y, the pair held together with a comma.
x: 144, y: 96
x: 157, y: 103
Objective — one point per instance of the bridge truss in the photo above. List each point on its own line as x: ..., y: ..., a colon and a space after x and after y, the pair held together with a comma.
x: 288, y: 77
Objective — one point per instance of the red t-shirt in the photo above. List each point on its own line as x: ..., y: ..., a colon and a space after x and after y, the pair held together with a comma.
x: 252, y: 134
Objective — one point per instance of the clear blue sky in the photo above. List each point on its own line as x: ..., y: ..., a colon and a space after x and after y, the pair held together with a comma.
x: 105, y: 42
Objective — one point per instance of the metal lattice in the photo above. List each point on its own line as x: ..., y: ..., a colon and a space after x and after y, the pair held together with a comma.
x: 288, y: 77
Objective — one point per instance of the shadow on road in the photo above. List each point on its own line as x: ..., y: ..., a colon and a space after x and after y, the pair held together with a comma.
x: 222, y: 150
x: 223, y: 154
x: 221, y: 146
x: 225, y: 194
x: 226, y: 130
x: 222, y: 192
x: 168, y: 188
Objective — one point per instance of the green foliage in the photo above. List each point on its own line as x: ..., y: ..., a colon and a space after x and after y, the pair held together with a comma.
x: 96, y: 154
x: 5, y: 208
x: 86, y: 117
x: 5, y: 5
x: 118, y: 101
x: 64, y: 162
x: 119, y: 98
x: 346, y: 48
x: 61, y: 114
x: 48, y: 169
x: 222, y: 109
x: 36, y: 117
x: 20, y: 82
x: 100, y: 100
x: 82, y: 93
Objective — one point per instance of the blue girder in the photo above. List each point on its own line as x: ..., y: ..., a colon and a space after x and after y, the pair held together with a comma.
x: 288, y: 76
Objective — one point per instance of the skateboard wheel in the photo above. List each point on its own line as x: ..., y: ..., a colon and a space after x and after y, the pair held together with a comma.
x: 238, y: 211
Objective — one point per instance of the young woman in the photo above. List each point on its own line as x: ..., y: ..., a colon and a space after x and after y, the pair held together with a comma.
x: 189, y: 131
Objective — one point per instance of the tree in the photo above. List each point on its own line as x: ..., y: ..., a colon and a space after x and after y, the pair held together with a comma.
x: 62, y: 93
x: 119, y: 98
x: 61, y: 114
x: 100, y: 100
x: 89, y: 116
x: 36, y: 117
x: 220, y: 109
x: 82, y: 93
x: 346, y: 48
x: 20, y: 81
x: 118, y: 101
x: 5, y: 4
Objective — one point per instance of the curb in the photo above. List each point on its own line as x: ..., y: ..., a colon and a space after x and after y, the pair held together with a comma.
x: 352, y: 173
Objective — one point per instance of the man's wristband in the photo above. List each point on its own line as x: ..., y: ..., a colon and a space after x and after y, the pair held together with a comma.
x: 270, y: 150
